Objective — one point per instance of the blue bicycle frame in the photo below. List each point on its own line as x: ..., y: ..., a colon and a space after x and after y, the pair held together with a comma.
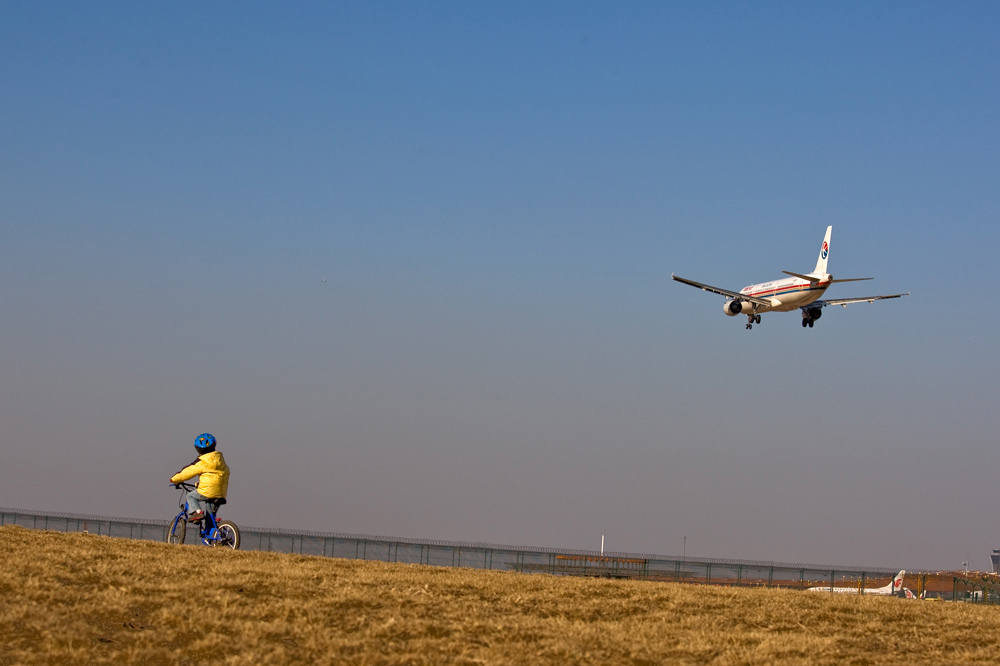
x: 209, y: 527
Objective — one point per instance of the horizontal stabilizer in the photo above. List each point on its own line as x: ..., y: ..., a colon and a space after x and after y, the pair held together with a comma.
x: 801, y: 276
x: 850, y: 280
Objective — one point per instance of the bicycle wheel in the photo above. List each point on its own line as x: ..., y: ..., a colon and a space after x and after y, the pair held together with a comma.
x: 177, y: 530
x: 229, y: 535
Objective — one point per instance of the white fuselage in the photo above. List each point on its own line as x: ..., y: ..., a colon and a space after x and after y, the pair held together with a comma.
x: 890, y: 590
x: 880, y: 591
x: 788, y: 294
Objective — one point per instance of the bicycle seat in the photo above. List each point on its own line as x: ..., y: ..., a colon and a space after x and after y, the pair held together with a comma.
x: 215, y: 502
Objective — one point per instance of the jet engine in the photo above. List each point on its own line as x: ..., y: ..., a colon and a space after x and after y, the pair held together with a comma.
x: 813, y: 313
x: 733, y: 308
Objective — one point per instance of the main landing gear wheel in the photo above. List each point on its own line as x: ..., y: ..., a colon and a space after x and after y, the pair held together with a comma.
x: 757, y: 318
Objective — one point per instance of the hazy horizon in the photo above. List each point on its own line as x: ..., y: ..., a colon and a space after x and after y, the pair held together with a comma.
x: 410, y: 263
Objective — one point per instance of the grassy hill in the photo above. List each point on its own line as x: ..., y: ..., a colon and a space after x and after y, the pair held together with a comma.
x: 78, y: 599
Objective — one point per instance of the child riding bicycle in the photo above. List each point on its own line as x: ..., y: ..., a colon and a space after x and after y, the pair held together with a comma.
x: 214, y: 480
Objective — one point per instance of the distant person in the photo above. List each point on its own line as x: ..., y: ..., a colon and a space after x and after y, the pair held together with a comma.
x: 214, y: 480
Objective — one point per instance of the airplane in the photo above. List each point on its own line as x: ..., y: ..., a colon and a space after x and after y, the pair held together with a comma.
x: 801, y: 291
x: 891, y: 590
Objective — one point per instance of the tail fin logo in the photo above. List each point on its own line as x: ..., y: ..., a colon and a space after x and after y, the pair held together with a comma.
x: 825, y: 251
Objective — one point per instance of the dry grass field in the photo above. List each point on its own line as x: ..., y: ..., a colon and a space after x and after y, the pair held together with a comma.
x: 80, y: 599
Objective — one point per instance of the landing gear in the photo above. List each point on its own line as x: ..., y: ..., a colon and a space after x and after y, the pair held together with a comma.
x: 810, y: 315
x: 751, y: 320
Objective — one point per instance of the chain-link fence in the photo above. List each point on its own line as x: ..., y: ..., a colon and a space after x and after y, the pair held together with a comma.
x: 485, y: 555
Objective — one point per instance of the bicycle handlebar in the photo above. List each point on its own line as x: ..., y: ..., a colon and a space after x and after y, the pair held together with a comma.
x: 184, y: 485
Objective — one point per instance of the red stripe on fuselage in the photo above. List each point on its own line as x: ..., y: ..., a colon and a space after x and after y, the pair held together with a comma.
x: 788, y: 289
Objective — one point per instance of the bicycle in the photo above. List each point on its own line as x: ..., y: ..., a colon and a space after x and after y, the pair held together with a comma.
x: 212, y: 531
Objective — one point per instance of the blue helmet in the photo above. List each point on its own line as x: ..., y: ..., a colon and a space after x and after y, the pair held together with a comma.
x: 205, y: 443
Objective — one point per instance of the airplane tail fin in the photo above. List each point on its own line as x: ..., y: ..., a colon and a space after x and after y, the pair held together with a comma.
x: 897, y: 582
x: 824, y: 252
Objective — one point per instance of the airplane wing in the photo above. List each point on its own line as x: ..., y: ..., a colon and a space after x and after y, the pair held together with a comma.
x: 730, y: 294
x: 844, y: 302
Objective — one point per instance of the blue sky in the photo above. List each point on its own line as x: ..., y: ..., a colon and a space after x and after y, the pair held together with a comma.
x: 411, y: 264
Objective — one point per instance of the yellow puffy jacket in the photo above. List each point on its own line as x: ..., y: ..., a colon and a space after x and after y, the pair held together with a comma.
x: 214, y: 481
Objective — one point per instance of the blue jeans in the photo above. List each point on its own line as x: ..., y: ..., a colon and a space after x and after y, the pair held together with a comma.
x: 195, y: 502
